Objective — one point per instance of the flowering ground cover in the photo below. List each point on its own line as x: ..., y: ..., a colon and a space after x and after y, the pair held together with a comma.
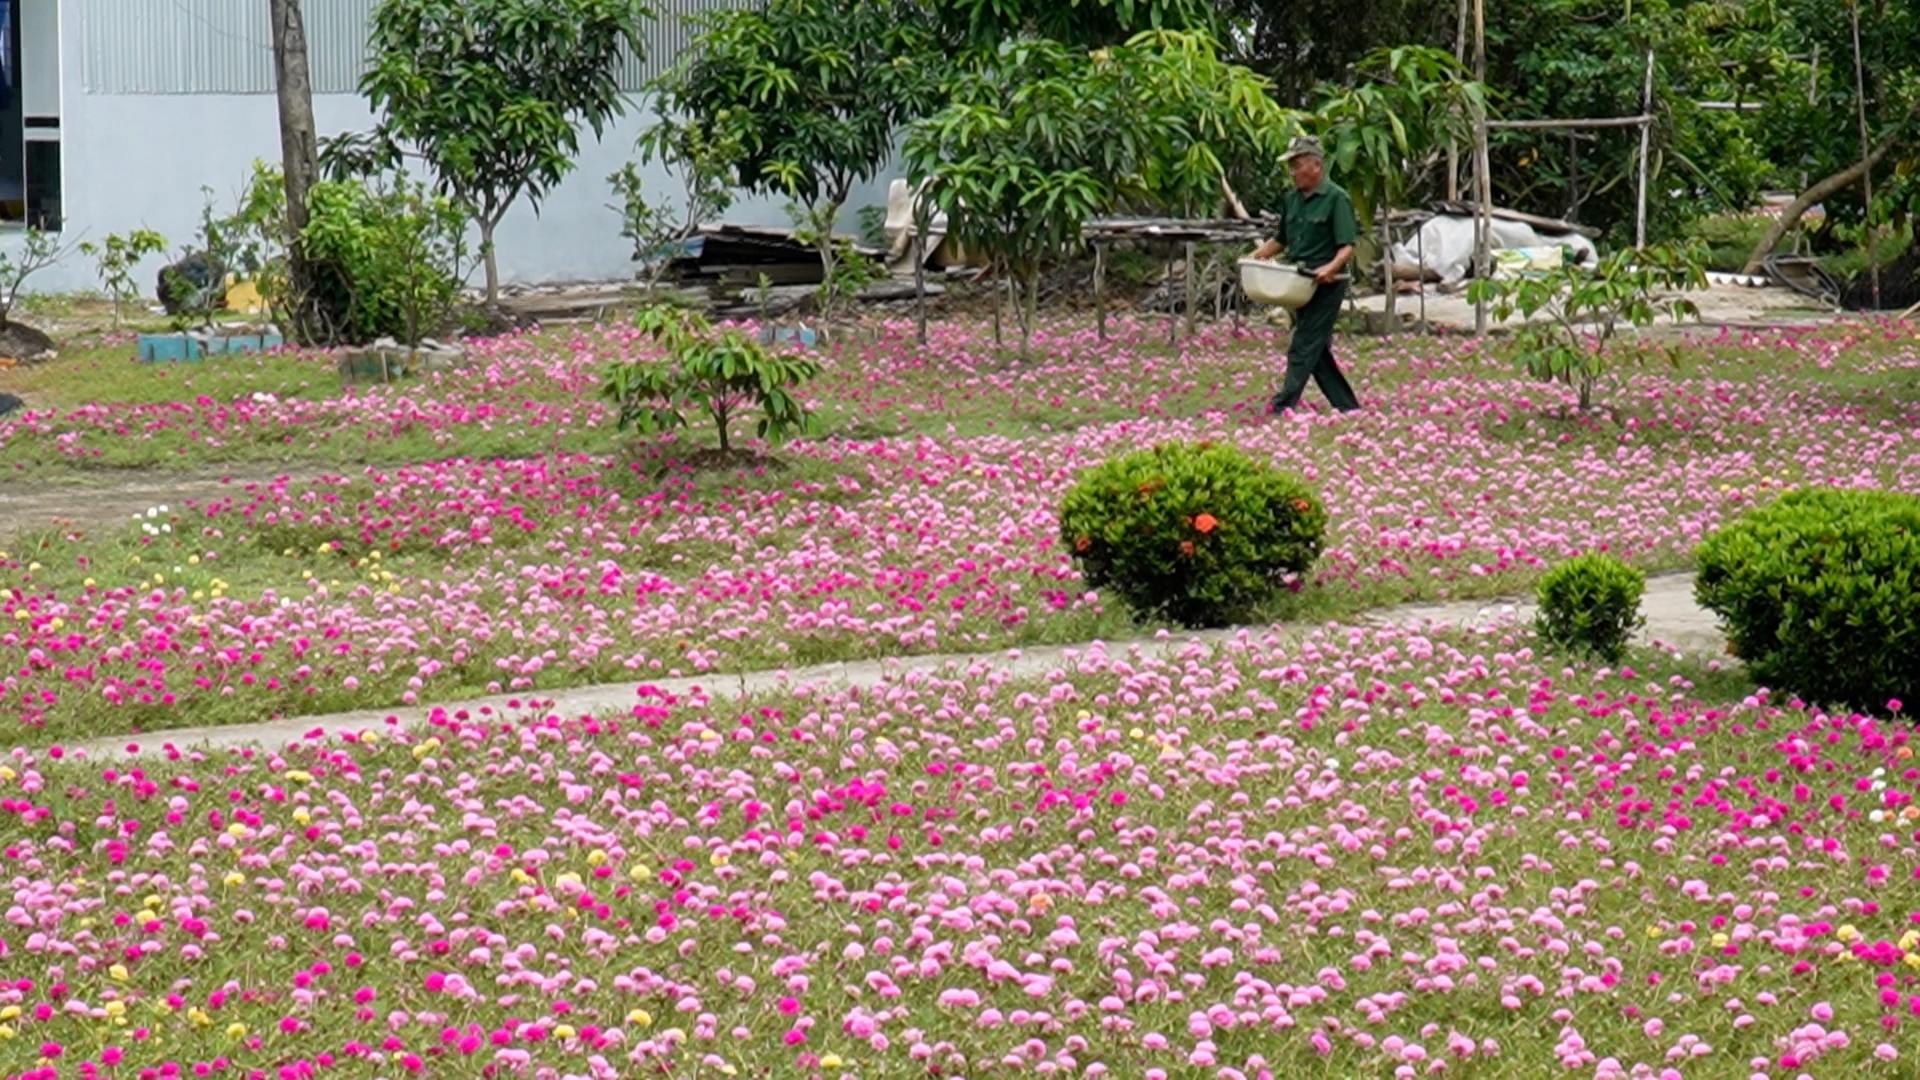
x: 924, y: 520
x: 1378, y: 853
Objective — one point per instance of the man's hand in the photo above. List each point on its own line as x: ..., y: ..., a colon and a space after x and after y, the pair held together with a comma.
x: 1327, y: 273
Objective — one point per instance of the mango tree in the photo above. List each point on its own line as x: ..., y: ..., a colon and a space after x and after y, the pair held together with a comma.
x: 813, y: 93
x: 491, y: 94
x: 1384, y: 131
x: 1047, y: 136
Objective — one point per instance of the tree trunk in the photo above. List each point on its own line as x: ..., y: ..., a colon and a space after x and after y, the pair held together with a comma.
x: 299, y: 151
x: 1797, y: 208
x: 487, y: 223
x: 1032, y: 302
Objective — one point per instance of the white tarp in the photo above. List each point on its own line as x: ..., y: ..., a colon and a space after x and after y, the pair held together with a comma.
x: 902, y: 203
x: 1447, y: 245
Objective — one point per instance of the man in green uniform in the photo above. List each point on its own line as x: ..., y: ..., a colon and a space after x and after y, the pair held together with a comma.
x: 1318, y: 230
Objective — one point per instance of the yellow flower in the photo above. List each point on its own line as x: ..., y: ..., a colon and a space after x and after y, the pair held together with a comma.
x: 596, y: 857
x: 830, y: 1061
x: 193, y: 560
x: 234, y: 878
x: 199, y: 1016
x: 709, y: 735
x: 1654, y: 931
x: 299, y: 776
x: 301, y: 816
x: 6, y: 1031
x: 1912, y: 960
x: 568, y: 880
x: 720, y: 858
x: 154, y: 901
x: 32, y: 566
x: 116, y: 1008
x: 117, y: 972
x: 11, y: 1012
x: 89, y: 583
x: 7, y: 773
x: 1846, y: 933
x: 236, y: 829
x: 235, y: 1031
x: 57, y: 622
x: 728, y: 1070
x: 368, y: 738
x: 639, y: 872
x: 638, y: 1018
x: 1720, y: 941
x: 563, y: 1031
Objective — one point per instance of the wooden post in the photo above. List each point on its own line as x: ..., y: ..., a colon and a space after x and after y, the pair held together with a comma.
x: 1100, y: 286
x: 1173, y: 317
x: 1646, y: 149
x: 1386, y: 272
x: 1420, y: 248
x: 1573, y: 177
x: 1483, y: 181
x: 299, y: 151
x: 1866, y: 152
x: 920, y: 280
x: 1192, y: 291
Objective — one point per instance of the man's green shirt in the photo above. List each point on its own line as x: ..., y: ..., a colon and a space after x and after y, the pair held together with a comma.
x: 1314, y: 227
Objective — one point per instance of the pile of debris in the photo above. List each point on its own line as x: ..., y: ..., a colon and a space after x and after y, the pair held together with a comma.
x: 746, y: 271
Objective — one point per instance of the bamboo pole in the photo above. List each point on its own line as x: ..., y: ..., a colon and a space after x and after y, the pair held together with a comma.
x: 1570, y: 125
x: 1453, y: 147
x: 1646, y: 145
x: 1483, y: 182
x: 1866, y: 149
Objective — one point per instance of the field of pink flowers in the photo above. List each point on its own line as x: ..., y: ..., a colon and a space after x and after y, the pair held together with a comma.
x: 923, y: 522
x: 1396, y: 853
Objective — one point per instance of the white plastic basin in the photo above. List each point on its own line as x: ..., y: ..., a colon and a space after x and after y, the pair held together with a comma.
x: 1269, y: 282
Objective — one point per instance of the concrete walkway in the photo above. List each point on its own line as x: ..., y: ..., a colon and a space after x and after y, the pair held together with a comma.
x: 1672, y: 619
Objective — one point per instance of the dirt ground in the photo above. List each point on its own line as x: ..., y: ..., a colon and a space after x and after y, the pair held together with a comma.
x: 111, y: 499
x: 1737, y: 306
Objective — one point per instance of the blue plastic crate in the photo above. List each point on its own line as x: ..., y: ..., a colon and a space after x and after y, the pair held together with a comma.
x: 162, y: 348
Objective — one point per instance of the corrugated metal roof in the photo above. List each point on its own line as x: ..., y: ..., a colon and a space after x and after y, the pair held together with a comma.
x: 226, y: 47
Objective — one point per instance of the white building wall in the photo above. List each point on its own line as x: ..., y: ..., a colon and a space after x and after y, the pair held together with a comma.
x: 133, y: 160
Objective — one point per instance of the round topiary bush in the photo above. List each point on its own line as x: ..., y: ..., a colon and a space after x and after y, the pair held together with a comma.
x: 1819, y: 592
x: 1591, y: 604
x: 1198, y: 534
